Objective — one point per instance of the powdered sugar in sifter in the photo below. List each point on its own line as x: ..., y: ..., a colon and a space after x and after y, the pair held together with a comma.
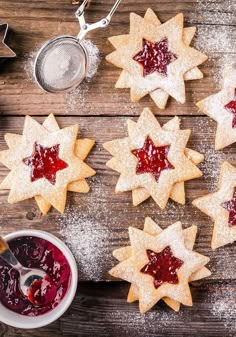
x: 62, y: 62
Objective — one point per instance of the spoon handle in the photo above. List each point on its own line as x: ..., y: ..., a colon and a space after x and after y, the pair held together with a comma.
x: 3, y: 245
x: 7, y: 255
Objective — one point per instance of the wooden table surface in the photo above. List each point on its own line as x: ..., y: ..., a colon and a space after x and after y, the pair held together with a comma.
x: 101, y: 218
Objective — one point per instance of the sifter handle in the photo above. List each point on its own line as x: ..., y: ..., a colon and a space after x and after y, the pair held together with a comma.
x: 86, y: 27
x: 112, y: 11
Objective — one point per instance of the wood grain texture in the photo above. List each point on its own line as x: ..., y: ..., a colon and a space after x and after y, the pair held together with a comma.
x: 112, y: 213
x: 34, y: 22
x: 102, y: 217
x: 101, y: 310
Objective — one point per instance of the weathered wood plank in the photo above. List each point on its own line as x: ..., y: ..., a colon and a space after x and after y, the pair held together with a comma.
x: 101, y: 310
x: 100, y: 218
x: 46, y: 19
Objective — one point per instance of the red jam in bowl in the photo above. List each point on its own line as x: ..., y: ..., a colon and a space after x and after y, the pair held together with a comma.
x: 34, y: 252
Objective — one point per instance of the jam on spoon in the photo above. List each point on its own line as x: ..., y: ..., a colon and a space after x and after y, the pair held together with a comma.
x: 42, y: 291
x: 28, y: 276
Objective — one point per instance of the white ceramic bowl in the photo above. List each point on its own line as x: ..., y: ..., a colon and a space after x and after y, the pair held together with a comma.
x: 25, y: 322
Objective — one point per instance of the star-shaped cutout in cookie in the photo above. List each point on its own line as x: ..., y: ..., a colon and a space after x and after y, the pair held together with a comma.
x: 187, y: 57
x: 44, y: 162
x: 159, y: 96
x: 126, y: 163
x: 230, y: 206
x: 152, y: 159
x: 152, y: 228
x: 45, y: 192
x: 162, y: 267
x: 222, y: 108
x: 130, y: 268
x: 216, y: 205
x: 231, y: 107
x: 5, y: 51
x: 155, y: 57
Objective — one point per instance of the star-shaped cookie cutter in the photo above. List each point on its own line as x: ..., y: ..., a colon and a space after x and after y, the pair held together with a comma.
x: 5, y: 51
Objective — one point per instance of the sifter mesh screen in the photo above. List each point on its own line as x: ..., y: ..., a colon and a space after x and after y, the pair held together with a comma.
x: 61, y: 64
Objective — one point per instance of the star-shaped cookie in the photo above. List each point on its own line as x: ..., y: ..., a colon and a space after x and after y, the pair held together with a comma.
x: 170, y: 35
x: 70, y: 176
x: 152, y: 228
x: 135, y: 174
x: 178, y: 192
x: 221, y: 207
x: 82, y: 149
x: 146, y: 267
x: 159, y: 96
x: 222, y: 108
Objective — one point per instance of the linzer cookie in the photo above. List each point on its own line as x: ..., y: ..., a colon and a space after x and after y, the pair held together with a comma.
x: 221, y: 207
x: 45, y: 162
x: 152, y: 228
x: 178, y: 192
x: 152, y: 161
x: 160, y: 264
x: 156, y: 58
x: 222, y: 108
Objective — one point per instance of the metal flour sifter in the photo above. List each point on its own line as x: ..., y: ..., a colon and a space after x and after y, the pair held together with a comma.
x: 62, y: 63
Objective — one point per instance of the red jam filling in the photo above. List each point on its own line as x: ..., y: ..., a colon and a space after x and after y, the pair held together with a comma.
x: 162, y: 267
x: 155, y: 57
x: 45, y: 162
x: 34, y: 252
x: 231, y: 207
x: 152, y: 159
x: 231, y: 107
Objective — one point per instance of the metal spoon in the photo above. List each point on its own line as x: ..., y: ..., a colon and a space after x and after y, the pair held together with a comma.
x: 27, y: 275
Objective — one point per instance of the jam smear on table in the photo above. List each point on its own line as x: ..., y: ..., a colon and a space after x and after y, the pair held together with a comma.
x: 33, y: 252
x: 231, y: 207
x: 231, y: 107
x: 162, y: 267
x: 152, y: 159
x: 45, y: 162
x: 155, y: 57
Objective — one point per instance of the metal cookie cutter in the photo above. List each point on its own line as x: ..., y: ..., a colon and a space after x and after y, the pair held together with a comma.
x: 62, y: 63
x: 5, y: 51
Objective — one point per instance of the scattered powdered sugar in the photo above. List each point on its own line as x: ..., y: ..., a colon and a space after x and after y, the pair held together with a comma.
x: 215, y: 12
x: 213, y: 159
x: 129, y: 321
x: 88, y: 240
x: 211, y: 165
x: 216, y: 38
x: 223, y: 306
x: 93, y: 58
x: 223, y: 257
x: 87, y: 229
x: 29, y: 65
